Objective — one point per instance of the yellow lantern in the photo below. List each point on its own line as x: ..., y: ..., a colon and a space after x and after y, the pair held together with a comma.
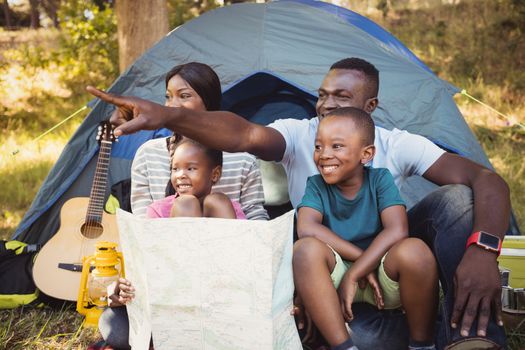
x: 98, y: 272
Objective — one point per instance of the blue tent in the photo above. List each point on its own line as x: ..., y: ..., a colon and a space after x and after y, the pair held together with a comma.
x: 271, y: 59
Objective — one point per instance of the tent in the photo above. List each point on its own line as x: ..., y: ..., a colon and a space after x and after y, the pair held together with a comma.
x: 271, y: 59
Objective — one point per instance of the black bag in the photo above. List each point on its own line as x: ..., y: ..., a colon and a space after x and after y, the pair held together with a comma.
x: 16, y: 274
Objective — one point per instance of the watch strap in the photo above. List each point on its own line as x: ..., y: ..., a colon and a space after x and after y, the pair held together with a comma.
x: 475, y: 239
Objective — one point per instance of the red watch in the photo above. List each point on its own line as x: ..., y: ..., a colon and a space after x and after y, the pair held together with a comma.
x: 486, y: 241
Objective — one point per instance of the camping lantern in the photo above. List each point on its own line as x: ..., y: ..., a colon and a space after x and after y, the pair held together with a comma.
x: 98, y: 272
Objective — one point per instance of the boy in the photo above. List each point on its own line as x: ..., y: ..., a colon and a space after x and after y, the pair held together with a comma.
x: 351, y: 223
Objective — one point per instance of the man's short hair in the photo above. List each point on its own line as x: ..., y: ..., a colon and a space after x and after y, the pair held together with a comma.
x: 368, y: 69
x: 362, y: 121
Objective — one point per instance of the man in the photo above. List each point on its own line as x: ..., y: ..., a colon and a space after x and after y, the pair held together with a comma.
x: 478, y: 199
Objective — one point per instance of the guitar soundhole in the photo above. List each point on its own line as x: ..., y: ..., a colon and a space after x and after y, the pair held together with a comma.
x: 92, y: 229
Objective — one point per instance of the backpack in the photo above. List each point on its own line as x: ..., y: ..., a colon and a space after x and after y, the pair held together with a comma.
x: 16, y: 274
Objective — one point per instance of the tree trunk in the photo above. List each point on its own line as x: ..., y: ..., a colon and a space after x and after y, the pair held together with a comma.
x: 7, y: 15
x: 141, y: 23
x: 35, y: 14
x: 51, y: 8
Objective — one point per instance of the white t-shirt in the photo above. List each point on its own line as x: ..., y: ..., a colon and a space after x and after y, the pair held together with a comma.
x: 401, y: 152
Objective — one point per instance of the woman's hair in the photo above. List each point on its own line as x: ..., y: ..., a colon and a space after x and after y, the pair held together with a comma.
x: 213, y: 155
x: 203, y: 79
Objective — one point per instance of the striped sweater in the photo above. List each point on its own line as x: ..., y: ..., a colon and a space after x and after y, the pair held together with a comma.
x: 240, y: 180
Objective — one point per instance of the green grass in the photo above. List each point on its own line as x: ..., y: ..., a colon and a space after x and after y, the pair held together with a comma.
x: 44, y: 328
x: 476, y: 45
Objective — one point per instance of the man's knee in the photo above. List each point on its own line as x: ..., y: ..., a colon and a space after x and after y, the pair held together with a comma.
x: 452, y: 198
x: 448, y: 209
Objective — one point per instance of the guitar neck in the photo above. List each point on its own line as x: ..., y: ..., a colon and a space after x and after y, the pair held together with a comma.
x: 98, y: 190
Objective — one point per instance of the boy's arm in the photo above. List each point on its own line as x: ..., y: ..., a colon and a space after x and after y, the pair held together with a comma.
x: 309, y: 224
x: 395, y: 228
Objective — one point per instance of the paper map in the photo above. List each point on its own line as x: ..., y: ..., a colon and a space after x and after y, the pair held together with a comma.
x: 204, y: 283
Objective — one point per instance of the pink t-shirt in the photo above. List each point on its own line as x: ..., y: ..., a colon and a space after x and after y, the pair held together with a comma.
x: 162, y: 208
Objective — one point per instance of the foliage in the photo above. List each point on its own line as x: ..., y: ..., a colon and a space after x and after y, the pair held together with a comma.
x: 181, y: 11
x: 468, y: 40
x: 44, y: 83
x: 89, y: 48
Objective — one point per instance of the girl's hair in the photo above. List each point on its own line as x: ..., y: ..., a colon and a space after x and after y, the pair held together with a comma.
x: 213, y: 155
x: 203, y: 79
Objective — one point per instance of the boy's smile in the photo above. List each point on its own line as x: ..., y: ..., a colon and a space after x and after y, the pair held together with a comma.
x: 340, y: 153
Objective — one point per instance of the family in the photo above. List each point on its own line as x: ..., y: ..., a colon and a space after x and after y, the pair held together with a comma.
x: 361, y: 260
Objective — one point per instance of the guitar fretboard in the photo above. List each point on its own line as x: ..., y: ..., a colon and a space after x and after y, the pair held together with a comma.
x: 98, y: 190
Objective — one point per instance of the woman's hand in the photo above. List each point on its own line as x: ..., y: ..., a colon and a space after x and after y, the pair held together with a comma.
x: 122, y: 292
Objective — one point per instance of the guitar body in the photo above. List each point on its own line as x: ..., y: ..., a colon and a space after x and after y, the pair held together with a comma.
x: 72, y: 241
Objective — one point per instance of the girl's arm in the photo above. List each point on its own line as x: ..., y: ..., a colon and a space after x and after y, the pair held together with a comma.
x: 395, y: 228
x: 309, y: 224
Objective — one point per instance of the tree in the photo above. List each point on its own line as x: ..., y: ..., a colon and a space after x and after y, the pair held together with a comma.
x: 140, y: 23
x: 35, y: 14
x: 51, y: 8
x: 7, y: 14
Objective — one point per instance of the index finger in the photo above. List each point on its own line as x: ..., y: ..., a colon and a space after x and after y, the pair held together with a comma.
x: 105, y: 96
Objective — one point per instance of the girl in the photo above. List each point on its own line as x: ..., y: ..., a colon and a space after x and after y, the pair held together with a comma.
x: 195, y: 169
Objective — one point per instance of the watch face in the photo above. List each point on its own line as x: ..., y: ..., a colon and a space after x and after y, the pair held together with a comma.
x: 488, y: 240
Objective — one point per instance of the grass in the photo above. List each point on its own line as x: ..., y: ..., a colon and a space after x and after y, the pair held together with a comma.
x: 44, y: 328
x: 476, y: 45
x: 24, y: 164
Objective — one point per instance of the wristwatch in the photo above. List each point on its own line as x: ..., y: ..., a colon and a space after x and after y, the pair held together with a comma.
x: 486, y: 241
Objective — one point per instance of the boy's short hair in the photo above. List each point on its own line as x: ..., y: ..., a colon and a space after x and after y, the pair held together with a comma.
x: 362, y: 121
x: 213, y: 155
x: 368, y: 69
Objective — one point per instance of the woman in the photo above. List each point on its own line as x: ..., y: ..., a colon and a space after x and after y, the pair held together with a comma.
x: 193, y: 86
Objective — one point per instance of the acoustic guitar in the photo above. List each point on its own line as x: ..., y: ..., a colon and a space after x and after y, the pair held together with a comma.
x: 83, y: 223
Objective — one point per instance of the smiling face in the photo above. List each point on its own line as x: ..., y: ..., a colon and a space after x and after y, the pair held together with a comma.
x: 340, y: 152
x: 180, y: 94
x: 344, y: 88
x: 192, y: 171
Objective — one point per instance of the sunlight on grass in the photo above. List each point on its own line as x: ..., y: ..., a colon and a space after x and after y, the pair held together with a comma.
x: 47, y: 329
x: 24, y: 164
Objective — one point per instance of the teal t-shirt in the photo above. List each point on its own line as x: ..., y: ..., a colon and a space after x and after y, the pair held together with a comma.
x: 357, y: 220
